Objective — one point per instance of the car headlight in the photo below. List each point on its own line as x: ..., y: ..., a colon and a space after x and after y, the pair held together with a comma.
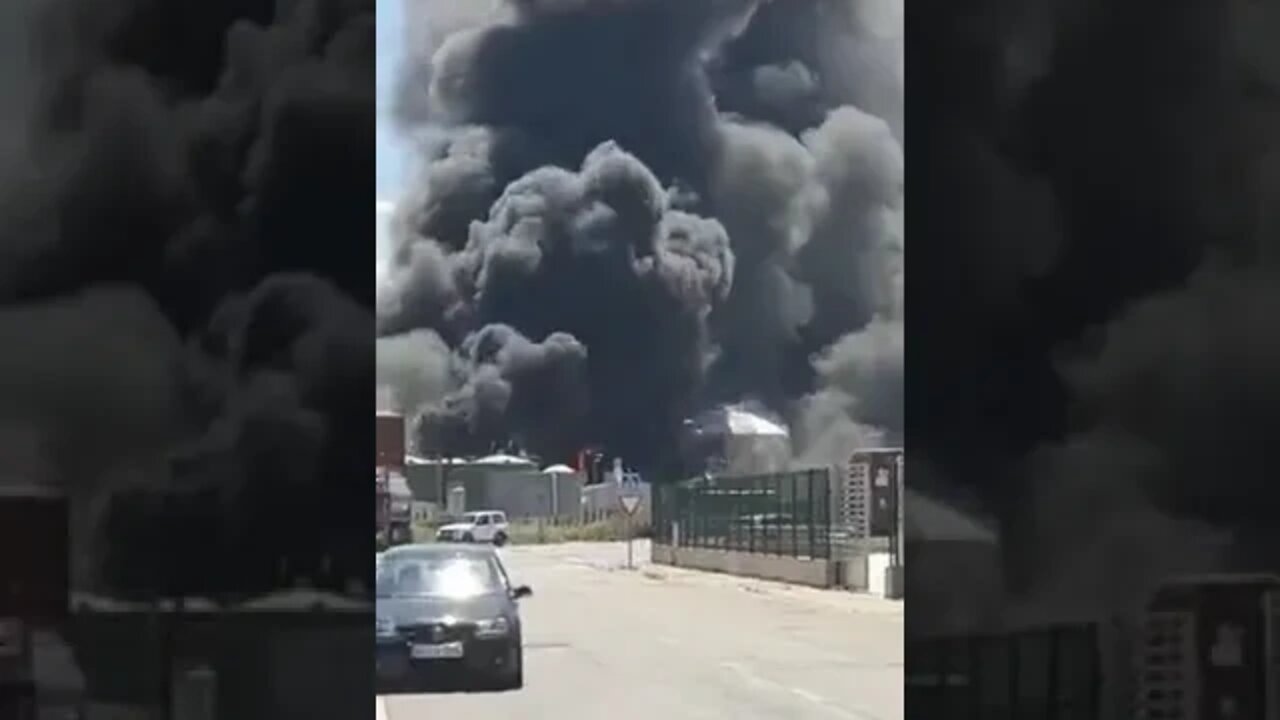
x: 493, y: 627
x: 386, y: 627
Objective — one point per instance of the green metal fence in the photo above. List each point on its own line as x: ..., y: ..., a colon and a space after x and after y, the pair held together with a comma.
x: 1051, y: 673
x: 775, y: 514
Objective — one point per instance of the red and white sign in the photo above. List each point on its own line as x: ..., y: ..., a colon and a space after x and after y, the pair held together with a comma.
x: 630, y: 503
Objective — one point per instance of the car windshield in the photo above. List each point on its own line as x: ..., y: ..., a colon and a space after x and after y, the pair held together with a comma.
x: 470, y: 518
x: 456, y: 577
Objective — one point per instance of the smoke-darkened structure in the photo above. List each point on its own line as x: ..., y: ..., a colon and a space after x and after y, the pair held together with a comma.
x: 627, y: 213
x: 187, y: 344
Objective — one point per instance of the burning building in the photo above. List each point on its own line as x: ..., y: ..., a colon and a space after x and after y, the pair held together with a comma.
x: 593, y: 272
x: 734, y: 441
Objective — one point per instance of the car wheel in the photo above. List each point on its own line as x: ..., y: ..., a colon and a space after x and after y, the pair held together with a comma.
x: 468, y: 537
x: 500, y: 539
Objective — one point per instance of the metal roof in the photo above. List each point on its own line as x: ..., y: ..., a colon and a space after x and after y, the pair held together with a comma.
x: 503, y: 459
x: 736, y: 421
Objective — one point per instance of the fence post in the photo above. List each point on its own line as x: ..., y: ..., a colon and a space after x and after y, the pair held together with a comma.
x: 826, y: 514
x: 1053, y: 707
x: 811, y: 519
x: 791, y: 516
x: 1014, y: 654
x: 695, y: 520
x: 731, y: 531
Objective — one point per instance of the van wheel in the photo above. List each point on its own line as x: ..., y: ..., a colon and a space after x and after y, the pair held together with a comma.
x: 500, y: 539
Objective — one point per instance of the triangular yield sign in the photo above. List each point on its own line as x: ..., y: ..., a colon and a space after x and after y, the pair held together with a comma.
x: 630, y: 503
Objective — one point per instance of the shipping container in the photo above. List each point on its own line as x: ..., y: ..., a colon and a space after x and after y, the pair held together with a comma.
x: 34, y: 553
x: 34, y: 584
x: 390, y: 429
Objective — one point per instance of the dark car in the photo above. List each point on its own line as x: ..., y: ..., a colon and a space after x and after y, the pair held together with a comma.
x: 448, y: 612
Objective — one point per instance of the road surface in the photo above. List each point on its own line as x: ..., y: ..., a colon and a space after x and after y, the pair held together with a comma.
x: 603, y: 641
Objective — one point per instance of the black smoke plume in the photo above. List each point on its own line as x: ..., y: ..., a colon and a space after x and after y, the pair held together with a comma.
x: 175, y: 203
x: 699, y: 196
x: 1091, y: 358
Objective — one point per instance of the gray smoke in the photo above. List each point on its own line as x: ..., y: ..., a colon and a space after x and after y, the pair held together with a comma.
x: 510, y: 382
x: 152, y: 199
x: 416, y: 370
x: 599, y: 169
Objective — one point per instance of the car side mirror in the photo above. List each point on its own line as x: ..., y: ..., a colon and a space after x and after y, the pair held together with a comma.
x: 521, y: 591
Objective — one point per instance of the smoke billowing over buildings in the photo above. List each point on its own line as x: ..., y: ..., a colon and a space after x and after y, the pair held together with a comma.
x: 627, y: 213
x: 180, y: 311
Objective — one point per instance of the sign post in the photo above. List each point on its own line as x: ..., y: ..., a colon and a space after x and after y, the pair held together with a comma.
x: 630, y: 499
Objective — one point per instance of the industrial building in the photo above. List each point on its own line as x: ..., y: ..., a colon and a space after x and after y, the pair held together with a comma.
x: 513, y: 484
x: 730, y: 440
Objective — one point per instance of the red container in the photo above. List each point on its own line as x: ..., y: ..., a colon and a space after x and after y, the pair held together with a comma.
x: 34, y: 554
x: 33, y: 585
x: 390, y: 441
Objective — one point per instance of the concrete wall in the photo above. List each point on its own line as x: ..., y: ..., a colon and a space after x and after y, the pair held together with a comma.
x: 815, y: 573
x: 603, y: 498
x: 863, y: 572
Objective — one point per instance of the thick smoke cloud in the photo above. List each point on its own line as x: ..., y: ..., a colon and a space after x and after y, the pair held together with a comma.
x: 598, y: 254
x: 509, y: 382
x: 153, y: 195
x: 415, y: 368
x: 621, y: 172
x: 1116, y: 349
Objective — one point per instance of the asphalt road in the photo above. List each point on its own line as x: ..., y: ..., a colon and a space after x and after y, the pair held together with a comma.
x: 654, y: 642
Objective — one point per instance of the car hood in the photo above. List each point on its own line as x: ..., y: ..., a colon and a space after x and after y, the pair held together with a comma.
x: 406, y: 611
x: 456, y: 527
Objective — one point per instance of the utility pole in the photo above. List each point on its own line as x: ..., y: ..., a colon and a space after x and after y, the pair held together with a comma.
x: 900, y: 558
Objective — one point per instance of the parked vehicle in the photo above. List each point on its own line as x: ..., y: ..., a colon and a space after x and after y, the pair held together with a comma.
x: 447, y: 610
x: 393, y: 497
x: 395, y: 510
x: 481, y: 526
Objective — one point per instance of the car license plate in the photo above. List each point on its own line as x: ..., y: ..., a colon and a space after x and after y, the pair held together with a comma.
x: 447, y: 651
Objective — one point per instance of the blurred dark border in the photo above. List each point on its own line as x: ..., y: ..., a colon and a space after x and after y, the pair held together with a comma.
x: 186, y: 304
x: 1087, y: 380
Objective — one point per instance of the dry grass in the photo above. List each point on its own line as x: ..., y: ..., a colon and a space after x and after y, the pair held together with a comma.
x: 535, y: 532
